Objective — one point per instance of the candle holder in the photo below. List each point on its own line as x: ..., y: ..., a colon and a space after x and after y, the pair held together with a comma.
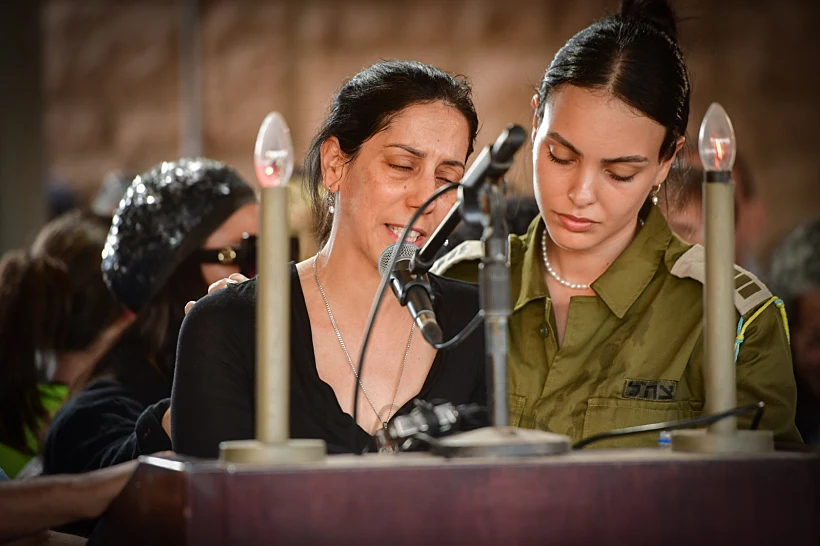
x: 273, y: 161
x: 717, y: 148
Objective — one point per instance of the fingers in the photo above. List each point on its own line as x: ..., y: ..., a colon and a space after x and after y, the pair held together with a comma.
x: 166, y: 421
x: 234, y: 278
x: 219, y: 285
x: 238, y: 277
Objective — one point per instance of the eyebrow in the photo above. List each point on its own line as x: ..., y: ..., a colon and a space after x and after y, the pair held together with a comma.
x: 422, y: 155
x: 606, y: 161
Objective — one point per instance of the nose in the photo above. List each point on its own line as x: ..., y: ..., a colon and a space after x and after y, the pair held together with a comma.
x: 419, y: 189
x: 582, y: 190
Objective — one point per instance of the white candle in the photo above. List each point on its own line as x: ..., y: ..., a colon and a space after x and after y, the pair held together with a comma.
x: 273, y: 160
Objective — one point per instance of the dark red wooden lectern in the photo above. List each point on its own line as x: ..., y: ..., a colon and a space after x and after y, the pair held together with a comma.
x: 592, y: 497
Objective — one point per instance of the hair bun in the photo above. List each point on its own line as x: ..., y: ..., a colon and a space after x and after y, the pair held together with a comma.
x: 657, y: 12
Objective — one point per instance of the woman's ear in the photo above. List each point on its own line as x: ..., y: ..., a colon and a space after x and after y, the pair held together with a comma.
x: 535, y: 102
x: 667, y: 165
x: 333, y: 164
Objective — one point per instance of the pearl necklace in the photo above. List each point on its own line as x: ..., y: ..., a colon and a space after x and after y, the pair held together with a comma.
x: 552, y: 272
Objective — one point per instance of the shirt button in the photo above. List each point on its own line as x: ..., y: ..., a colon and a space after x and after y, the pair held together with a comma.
x: 545, y: 331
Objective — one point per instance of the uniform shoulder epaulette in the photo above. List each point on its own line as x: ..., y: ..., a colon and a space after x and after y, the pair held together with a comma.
x: 749, y: 293
x: 464, y: 252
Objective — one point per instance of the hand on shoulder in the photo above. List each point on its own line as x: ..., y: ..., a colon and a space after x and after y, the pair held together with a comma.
x: 235, y: 278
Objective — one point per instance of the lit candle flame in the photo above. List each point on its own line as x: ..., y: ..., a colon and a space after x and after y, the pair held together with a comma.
x: 717, y: 144
x: 273, y: 152
x: 716, y: 140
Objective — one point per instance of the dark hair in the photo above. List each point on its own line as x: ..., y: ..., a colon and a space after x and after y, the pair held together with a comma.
x: 366, y: 104
x: 633, y: 55
x: 156, y: 328
x: 52, y: 298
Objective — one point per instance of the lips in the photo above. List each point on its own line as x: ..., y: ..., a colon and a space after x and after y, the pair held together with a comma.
x: 415, y: 237
x: 575, y: 224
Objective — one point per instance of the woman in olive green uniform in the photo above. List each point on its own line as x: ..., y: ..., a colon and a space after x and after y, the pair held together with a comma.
x: 606, y: 328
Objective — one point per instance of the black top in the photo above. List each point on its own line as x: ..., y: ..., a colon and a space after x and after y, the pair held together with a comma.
x: 213, y: 397
x: 113, y: 420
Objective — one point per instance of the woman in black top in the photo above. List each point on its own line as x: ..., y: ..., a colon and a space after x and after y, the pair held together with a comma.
x: 396, y: 131
x: 157, y: 256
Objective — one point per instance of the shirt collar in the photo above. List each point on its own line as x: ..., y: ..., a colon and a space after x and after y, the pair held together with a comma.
x: 619, y: 286
x: 631, y: 272
x: 525, y: 257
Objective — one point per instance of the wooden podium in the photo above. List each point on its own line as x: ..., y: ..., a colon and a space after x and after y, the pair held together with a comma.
x: 587, y: 497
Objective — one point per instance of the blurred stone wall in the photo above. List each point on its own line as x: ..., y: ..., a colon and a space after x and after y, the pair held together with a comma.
x: 112, y: 89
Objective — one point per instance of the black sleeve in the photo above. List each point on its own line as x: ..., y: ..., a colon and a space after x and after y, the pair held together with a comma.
x: 212, y: 398
x: 99, y: 428
x: 457, y: 305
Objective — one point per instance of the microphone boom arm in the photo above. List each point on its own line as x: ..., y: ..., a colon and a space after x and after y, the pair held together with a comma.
x: 491, y: 165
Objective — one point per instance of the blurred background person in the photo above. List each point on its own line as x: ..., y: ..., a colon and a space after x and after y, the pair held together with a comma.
x: 795, y: 277
x: 682, y: 204
x: 181, y: 226
x: 57, y: 321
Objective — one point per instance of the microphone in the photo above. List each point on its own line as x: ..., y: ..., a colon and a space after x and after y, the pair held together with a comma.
x: 492, y: 163
x: 412, y: 291
x: 431, y: 420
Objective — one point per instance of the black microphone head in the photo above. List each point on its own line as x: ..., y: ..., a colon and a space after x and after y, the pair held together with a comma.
x: 406, y: 252
x: 432, y: 332
x: 509, y: 142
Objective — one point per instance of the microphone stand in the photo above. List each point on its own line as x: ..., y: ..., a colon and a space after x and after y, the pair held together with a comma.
x: 482, y: 202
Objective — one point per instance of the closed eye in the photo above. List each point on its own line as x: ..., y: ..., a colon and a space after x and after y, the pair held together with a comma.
x: 400, y: 167
x: 557, y: 160
x: 621, y: 178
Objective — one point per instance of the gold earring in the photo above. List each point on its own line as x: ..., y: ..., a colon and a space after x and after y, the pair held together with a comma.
x: 655, y: 194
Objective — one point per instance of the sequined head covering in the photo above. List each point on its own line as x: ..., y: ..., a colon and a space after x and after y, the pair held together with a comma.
x: 165, y: 215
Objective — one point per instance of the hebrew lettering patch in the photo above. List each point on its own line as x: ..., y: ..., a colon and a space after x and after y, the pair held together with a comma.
x: 647, y: 389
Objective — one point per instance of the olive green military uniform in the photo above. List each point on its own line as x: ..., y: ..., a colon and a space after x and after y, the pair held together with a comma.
x: 633, y: 353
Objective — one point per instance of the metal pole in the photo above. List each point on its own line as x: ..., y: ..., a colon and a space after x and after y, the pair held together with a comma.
x: 494, y: 278
x: 190, y: 79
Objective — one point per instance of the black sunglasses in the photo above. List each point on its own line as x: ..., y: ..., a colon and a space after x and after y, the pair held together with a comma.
x: 242, y: 255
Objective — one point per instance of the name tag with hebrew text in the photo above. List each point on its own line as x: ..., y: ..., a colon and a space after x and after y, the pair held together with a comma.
x: 648, y: 389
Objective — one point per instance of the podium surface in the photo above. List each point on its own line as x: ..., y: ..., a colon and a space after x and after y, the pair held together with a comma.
x: 584, y: 497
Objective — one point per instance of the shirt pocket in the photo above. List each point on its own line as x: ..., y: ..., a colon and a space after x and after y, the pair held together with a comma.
x: 606, y: 414
x: 516, y: 406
